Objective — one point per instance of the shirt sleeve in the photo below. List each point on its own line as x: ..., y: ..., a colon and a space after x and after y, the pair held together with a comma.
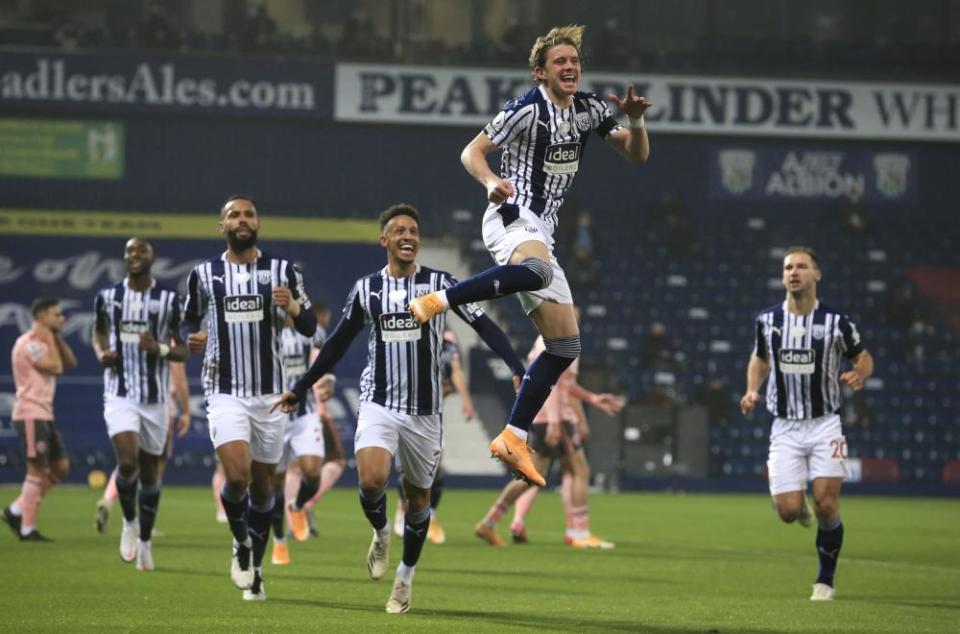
x: 176, y: 314
x: 35, y: 350
x: 601, y: 119
x: 102, y: 322
x: 295, y: 282
x: 509, y: 123
x: 760, y: 345
x: 849, y: 338
x: 468, y: 312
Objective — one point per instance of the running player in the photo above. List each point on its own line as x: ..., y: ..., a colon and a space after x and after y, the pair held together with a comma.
x: 39, y: 356
x: 135, y: 337
x: 542, y: 134
x: 302, y: 444
x: 400, y: 389
x: 803, y: 342
x: 246, y: 295
x: 555, y: 435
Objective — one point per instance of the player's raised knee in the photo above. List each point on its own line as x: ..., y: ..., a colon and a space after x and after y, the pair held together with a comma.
x: 567, y: 347
x: 541, y: 268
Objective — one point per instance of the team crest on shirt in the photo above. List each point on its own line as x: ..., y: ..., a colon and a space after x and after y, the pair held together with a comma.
x: 583, y: 121
x: 154, y: 306
x: 264, y: 277
x: 819, y: 331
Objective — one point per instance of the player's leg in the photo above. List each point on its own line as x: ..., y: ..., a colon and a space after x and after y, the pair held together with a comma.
x: 522, y: 508
x: 266, y: 451
x: 309, y: 485
x: 435, y: 533
x: 376, y: 443
x: 234, y: 458
x: 543, y: 455
x: 21, y: 514
x: 292, y: 482
x: 280, y: 556
x: 486, y: 529
x: 217, y: 481
x: 106, y: 501
x: 153, y: 440
x: 578, y: 472
x: 333, y: 465
x: 400, y: 510
x: 126, y: 449
x: 787, y: 469
x: 828, y: 467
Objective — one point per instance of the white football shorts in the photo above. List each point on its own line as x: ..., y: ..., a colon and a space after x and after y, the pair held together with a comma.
x: 248, y: 419
x: 505, y: 227
x: 303, y: 436
x: 148, y: 420
x: 804, y: 450
x: 414, y: 441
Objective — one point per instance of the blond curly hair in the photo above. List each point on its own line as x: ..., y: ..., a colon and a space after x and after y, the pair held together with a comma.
x: 571, y: 34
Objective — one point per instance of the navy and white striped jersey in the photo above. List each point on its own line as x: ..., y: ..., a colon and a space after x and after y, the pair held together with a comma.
x: 243, y: 355
x: 543, y: 145
x: 403, y: 371
x: 295, y: 352
x: 123, y: 315
x: 805, y: 353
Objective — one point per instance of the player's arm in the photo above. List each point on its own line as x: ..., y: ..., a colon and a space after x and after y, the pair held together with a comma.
x: 68, y: 360
x: 293, y: 299
x: 100, y: 339
x: 474, y: 159
x: 497, y: 341
x: 194, y: 309
x: 181, y: 394
x: 758, y: 369
x: 459, y: 380
x: 330, y: 354
x: 45, y: 357
x: 861, y: 371
x: 609, y: 404
x: 632, y: 142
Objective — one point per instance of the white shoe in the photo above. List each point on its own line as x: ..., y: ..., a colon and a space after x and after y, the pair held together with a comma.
x: 144, y: 556
x: 398, y: 520
x: 128, y: 540
x: 241, y: 565
x: 806, y: 513
x: 221, y: 517
x: 257, y: 591
x: 822, y: 592
x: 399, y: 601
x: 378, y: 557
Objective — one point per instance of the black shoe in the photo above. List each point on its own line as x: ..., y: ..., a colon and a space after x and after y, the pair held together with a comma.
x: 13, y: 521
x: 34, y: 536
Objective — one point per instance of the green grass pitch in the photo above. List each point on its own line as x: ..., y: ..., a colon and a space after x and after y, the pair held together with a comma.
x: 683, y: 563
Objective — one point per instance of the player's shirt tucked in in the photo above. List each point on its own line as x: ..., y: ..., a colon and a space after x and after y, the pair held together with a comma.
x: 543, y: 145
x: 295, y: 352
x: 125, y: 314
x: 243, y: 333
x: 403, y: 357
x: 35, y: 389
x: 805, y: 353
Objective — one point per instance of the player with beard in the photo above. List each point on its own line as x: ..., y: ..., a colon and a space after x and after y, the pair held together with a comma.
x: 542, y: 135
x: 246, y: 296
x: 400, y: 389
x: 135, y: 337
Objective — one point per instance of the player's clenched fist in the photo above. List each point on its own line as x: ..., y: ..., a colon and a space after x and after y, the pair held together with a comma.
x: 749, y: 401
x: 197, y: 342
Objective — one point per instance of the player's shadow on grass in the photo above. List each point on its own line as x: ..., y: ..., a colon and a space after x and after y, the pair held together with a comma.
x: 340, y: 579
x: 582, y: 575
x: 509, y: 620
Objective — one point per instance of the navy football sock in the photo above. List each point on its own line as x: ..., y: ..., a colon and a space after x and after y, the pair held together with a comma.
x: 259, y: 517
x: 436, y: 489
x: 149, y: 502
x: 236, y: 514
x: 277, y: 515
x: 306, y: 491
x: 375, y: 509
x: 127, y: 493
x: 496, y: 282
x: 537, y: 383
x: 829, y: 542
x: 415, y: 535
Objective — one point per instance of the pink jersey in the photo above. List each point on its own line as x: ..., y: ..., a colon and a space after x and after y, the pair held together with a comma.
x: 35, y: 389
x: 558, y: 405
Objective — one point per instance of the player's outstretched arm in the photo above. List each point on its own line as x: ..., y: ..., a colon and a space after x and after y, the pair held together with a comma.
x: 632, y: 142
x: 497, y: 341
x: 862, y: 370
x: 757, y: 372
